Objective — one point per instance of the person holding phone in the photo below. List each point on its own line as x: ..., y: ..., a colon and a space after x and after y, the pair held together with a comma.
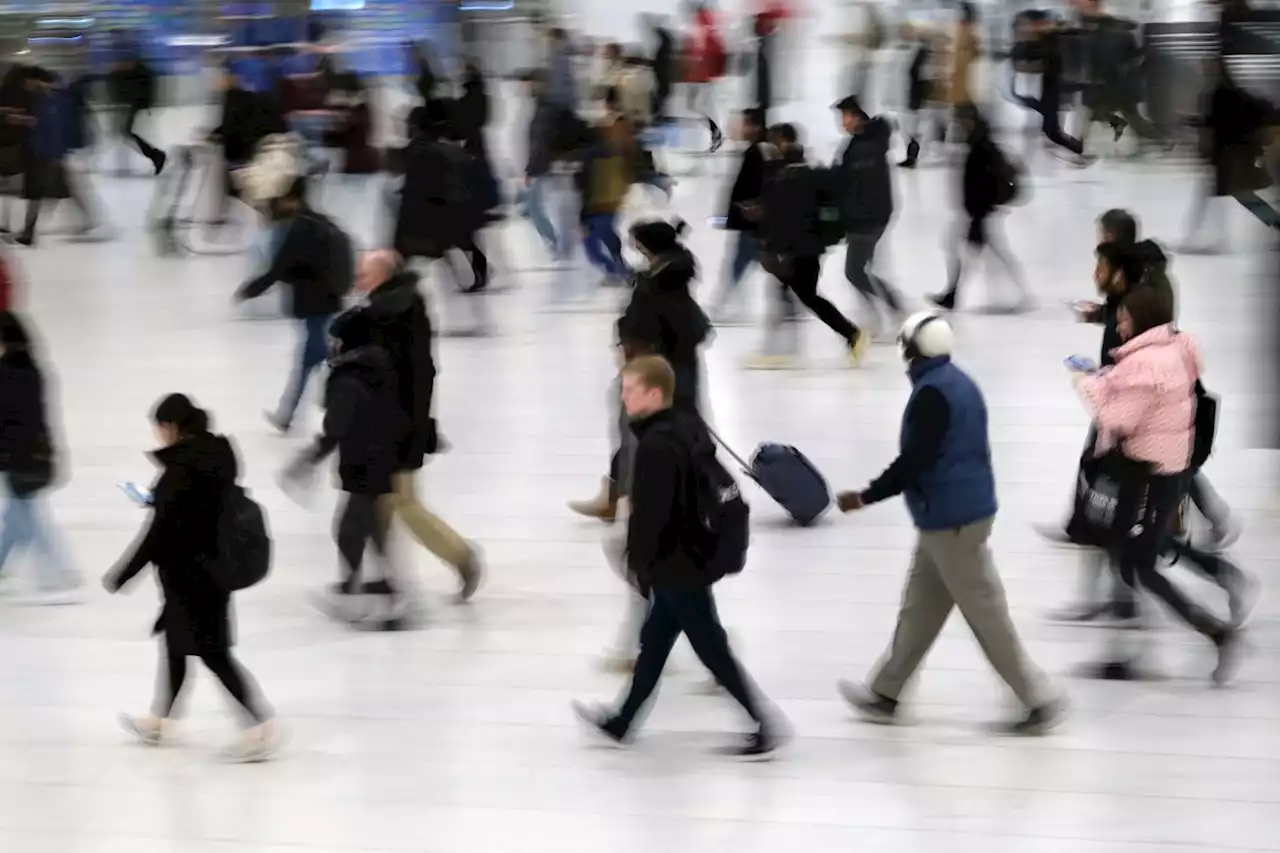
x: 181, y: 539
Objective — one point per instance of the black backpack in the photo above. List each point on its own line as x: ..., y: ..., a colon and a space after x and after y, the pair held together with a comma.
x: 244, y: 545
x: 1205, y: 427
x: 723, y: 518
x: 341, y: 268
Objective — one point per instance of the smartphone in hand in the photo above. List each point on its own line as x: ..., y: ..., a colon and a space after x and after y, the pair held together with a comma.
x: 1080, y: 364
x: 137, y: 494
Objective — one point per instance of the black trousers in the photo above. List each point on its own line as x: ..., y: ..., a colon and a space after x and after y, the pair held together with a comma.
x: 1138, y: 558
x: 1052, y: 127
x: 801, y: 278
x: 224, y: 667
x: 692, y: 612
x: 360, y: 523
x: 128, y: 130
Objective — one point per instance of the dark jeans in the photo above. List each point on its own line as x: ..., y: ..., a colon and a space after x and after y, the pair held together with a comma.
x: 691, y: 612
x: 314, y: 351
x: 603, y: 245
x: 745, y: 252
x: 224, y: 667
x: 1052, y: 128
x: 360, y: 524
x: 802, y: 280
x: 859, y: 254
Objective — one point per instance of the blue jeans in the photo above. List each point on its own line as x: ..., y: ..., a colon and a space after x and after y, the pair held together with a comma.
x: 315, y: 349
x: 603, y: 245
x: 26, y: 526
x: 536, y: 209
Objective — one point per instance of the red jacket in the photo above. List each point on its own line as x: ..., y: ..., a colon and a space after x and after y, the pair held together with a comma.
x: 707, y: 57
x: 8, y: 295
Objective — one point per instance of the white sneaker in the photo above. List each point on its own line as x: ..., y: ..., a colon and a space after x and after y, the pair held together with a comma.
x: 148, y: 728
x: 258, y: 744
x: 56, y: 597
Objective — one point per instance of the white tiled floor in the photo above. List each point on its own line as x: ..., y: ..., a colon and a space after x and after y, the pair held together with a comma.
x: 458, y: 737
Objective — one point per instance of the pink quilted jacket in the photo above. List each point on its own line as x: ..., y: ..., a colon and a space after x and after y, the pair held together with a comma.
x: 1146, y: 401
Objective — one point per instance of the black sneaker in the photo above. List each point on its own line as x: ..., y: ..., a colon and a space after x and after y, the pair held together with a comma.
x: 869, y: 705
x: 761, y: 745
x: 1037, y: 722
x: 601, y: 724
x: 1117, y: 670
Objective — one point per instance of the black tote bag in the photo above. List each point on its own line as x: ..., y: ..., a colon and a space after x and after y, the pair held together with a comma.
x: 1111, y: 491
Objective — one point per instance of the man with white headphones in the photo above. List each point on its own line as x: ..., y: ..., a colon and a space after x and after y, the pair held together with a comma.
x: 944, y: 473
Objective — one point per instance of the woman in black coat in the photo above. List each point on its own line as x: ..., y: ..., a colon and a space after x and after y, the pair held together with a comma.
x: 365, y: 424
x: 197, y: 468
x: 663, y: 319
x: 27, y: 463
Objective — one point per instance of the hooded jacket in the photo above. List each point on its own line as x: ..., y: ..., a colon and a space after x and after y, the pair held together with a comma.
x: 1145, y: 403
x: 663, y: 530
x: 664, y: 318
x: 182, y: 538
x: 862, y: 176
x: 363, y: 420
x: 402, y: 327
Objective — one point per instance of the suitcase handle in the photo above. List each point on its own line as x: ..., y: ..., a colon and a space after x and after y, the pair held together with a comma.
x: 746, y: 466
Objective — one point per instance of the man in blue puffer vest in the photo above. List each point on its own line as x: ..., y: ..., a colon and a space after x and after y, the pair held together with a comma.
x: 943, y: 471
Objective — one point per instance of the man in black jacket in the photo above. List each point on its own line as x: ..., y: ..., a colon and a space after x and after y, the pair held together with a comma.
x: 792, y: 244
x: 664, y: 560
x: 541, y: 186
x: 133, y: 85
x: 303, y: 262
x: 862, y: 176
x: 402, y: 327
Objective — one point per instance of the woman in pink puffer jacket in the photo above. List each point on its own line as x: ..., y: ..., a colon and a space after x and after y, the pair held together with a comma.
x: 1145, y: 405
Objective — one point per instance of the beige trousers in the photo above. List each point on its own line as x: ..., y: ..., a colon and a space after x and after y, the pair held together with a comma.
x: 425, y: 526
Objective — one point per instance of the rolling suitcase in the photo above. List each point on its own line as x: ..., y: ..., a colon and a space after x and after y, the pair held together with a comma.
x: 788, y: 477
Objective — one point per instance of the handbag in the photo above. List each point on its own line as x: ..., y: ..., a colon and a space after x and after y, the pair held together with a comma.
x: 1111, y: 492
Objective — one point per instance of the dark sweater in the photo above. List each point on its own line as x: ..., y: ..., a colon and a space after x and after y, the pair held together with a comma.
x: 302, y: 262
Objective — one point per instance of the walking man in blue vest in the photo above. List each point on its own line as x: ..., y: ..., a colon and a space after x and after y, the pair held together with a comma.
x: 944, y: 473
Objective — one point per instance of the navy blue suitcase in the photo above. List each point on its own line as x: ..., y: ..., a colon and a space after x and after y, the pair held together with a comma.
x: 788, y: 477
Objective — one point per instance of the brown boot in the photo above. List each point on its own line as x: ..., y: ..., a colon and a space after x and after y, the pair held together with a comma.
x: 603, y: 506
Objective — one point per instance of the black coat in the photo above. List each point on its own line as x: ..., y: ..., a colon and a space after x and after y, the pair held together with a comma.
x: 402, y: 327
x: 471, y: 117
x: 436, y: 210
x: 793, y: 195
x: 244, y: 122
x: 182, y: 539
x: 303, y: 263
x: 982, y: 163
x: 24, y: 426
x: 663, y: 529
x: 747, y: 188
x: 544, y: 126
x: 663, y: 317
x: 363, y: 421
x: 862, y: 178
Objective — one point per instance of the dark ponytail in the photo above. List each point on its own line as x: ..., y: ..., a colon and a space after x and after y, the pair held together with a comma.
x: 178, y: 410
